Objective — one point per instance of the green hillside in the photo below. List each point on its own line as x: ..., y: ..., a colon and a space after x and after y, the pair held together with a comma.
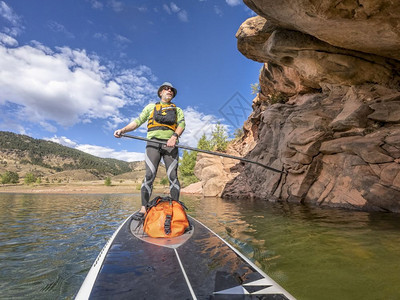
x: 38, y: 152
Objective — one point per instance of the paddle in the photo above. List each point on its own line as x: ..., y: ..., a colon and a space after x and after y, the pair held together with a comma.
x: 205, y: 151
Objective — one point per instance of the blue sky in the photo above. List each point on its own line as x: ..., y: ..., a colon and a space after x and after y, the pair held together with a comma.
x: 74, y: 71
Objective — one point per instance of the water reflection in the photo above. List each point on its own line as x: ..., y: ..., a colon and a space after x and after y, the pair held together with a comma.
x: 48, y: 243
x: 315, y: 253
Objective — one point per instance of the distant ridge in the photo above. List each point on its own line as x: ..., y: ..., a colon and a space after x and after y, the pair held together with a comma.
x: 23, y: 149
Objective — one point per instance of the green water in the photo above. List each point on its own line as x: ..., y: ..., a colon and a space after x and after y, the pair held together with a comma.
x: 48, y: 243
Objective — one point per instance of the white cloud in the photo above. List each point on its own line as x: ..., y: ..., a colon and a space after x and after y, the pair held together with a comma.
x: 183, y: 16
x: 62, y: 140
x: 64, y: 86
x: 218, y: 11
x: 167, y: 9
x: 59, y: 28
x: 114, y: 122
x: 233, y: 2
x: 197, y: 124
x: 117, y: 6
x: 98, y: 151
x: 122, y: 39
x: 7, y: 13
x: 172, y: 8
x: 106, y: 152
x: 142, y: 8
x: 67, y: 86
x: 136, y: 84
x: 7, y: 40
x: 101, y: 36
x: 96, y: 4
x: 11, y: 18
x: 47, y: 126
x: 10, y: 123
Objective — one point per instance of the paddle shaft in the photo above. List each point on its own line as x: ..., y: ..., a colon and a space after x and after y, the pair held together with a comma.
x: 204, y: 151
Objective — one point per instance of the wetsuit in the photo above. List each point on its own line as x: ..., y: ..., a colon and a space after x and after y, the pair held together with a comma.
x: 154, y: 153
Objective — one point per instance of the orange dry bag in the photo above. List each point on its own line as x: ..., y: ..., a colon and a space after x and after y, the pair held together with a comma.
x: 165, y: 218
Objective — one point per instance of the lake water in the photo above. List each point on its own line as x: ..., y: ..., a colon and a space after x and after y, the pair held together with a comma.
x: 49, y: 242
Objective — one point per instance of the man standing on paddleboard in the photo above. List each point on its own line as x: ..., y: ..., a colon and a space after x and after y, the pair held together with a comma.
x: 166, y: 123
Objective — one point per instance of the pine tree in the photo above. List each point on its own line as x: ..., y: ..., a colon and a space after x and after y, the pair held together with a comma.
x: 186, y: 168
x: 204, y: 143
x: 188, y: 163
x: 219, y: 140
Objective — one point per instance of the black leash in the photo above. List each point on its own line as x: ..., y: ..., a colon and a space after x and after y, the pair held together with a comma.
x: 204, y: 151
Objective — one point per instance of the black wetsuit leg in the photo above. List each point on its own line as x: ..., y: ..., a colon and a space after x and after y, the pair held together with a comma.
x: 152, y: 160
x: 171, y: 159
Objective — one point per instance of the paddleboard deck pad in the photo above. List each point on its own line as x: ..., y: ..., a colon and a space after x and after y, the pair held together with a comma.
x: 197, y: 265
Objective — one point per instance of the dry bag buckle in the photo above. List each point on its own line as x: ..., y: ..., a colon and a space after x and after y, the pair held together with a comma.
x: 167, y: 224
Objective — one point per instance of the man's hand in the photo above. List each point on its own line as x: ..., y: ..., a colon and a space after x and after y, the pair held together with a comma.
x: 172, y: 141
x: 118, y: 133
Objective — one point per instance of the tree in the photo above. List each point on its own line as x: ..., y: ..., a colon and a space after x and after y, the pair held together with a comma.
x: 9, y: 177
x: 164, y: 181
x: 29, y: 178
x: 204, y: 143
x: 107, y: 182
x: 186, y: 168
x: 188, y: 163
x: 219, y: 140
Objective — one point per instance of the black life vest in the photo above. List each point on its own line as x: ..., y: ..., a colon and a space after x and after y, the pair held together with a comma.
x: 163, y: 117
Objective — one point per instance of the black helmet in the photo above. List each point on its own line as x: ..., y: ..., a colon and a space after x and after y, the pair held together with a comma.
x: 167, y: 84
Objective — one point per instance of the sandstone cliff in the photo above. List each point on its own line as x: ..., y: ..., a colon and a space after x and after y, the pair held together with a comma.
x: 328, y: 110
x: 214, y: 172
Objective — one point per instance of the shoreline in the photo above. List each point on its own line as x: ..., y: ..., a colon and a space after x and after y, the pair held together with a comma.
x: 73, y: 188
x: 91, y: 187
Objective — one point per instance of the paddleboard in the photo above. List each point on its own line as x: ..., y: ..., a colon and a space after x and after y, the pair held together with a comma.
x: 197, y: 265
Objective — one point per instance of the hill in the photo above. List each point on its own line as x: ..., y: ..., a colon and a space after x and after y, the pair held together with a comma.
x: 23, y: 154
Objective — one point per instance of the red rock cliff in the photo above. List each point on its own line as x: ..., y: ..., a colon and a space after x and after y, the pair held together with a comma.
x: 328, y: 110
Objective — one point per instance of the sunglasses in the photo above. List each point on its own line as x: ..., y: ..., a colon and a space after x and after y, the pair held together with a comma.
x: 166, y: 88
